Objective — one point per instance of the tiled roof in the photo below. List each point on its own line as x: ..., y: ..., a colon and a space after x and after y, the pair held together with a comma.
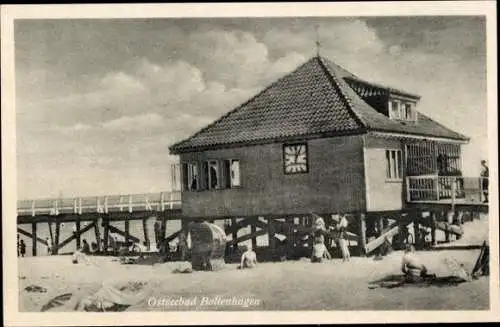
x: 312, y: 100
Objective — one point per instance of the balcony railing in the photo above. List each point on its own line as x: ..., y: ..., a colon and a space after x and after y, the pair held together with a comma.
x: 439, y: 188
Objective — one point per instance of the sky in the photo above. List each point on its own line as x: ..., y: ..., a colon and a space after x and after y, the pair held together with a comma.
x: 98, y: 102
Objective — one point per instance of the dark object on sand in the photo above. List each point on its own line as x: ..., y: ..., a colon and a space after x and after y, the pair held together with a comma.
x: 57, y: 301
x: 208, y: 245
x: 482, y: 266
x: 35, y: 289
x: 394, y: 281
x: 128, y: 260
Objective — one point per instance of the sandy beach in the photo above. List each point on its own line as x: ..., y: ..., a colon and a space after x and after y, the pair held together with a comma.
x: 292, y: 285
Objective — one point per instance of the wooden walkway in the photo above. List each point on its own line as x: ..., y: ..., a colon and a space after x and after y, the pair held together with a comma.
x: 131, y: 206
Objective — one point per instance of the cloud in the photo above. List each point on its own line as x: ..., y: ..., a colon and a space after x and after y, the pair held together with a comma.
x: 134, y: 123
x: 118, y: 104
x: 121, y: 81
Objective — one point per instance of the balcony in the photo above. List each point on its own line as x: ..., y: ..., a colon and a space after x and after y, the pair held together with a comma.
x: 446, y: 189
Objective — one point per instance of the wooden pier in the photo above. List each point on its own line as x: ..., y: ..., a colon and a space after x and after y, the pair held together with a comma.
x: 443, y: 201
x: 96, y: 212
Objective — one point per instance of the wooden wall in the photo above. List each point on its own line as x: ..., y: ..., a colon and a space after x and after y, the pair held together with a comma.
x: 381, y: 194
x: 335, y: 181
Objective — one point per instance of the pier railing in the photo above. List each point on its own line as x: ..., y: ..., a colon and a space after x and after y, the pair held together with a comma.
x: 101, y: 204
x: 438, y: 188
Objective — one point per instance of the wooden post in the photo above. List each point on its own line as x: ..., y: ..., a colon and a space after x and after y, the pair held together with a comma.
x: 162, y: 201
x: 106, y: 235
x: 145, y: 229
x: 55, y: 245
x: 362, y: 235
x: 235, y: 233
x: 271, y: 239
x: 33, y: 208
x: 253, y: 229
x: 78, y: 238
x: 127, y: 230
x: 291, y: 239
x: 380, y: 225
x: 163, y: 229
x: 50, y: 232
x: 184, y: 232
x: 97, y: 225
x: 449, y: 220
x: 433, y: 227
x: 416, y: 229
x: 408, y: 193
x: 33, y: 239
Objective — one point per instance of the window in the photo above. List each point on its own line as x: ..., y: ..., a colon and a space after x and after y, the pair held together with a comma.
x: 395, y: 114
x: 394, y: 166
x: 211, y: 173
x: 402, y: 110
x: 176, y: 177
x: 232, y: 173
x: 408, y: 111
x: 190, y: 178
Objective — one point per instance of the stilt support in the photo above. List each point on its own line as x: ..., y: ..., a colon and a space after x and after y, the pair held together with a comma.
x: 362, y: 234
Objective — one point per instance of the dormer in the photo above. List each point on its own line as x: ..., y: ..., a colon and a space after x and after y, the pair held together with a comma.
x: 393, y: 103
x: 402, y: 108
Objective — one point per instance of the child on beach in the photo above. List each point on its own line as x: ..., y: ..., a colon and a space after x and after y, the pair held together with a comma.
x: 79, y: 256
x: 411, y: 266
x: 320, y: 252
x: 248, y: 259
x: 22, y: 248
x: 49, y: 246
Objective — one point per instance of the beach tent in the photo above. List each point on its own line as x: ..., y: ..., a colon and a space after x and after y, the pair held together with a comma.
x: 208, y: 244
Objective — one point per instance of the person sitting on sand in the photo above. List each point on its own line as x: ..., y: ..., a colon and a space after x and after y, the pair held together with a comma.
x: 411, y: 266
x: 320, y: 252
x: 79, y: 256
x: 248, y: 259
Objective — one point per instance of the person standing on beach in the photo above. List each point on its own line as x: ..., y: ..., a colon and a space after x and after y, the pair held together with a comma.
x: 49, y: 246
x: 342, y: 228
x: 22, y: 248
x: 18, y: 245
x: 485, y: 172
x: 183, y: 246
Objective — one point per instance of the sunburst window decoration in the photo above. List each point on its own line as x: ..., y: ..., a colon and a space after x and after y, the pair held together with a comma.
x: 295, y: 158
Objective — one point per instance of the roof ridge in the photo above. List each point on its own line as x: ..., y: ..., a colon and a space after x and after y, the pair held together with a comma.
x: 241, y: 105
x: 336, y: 84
